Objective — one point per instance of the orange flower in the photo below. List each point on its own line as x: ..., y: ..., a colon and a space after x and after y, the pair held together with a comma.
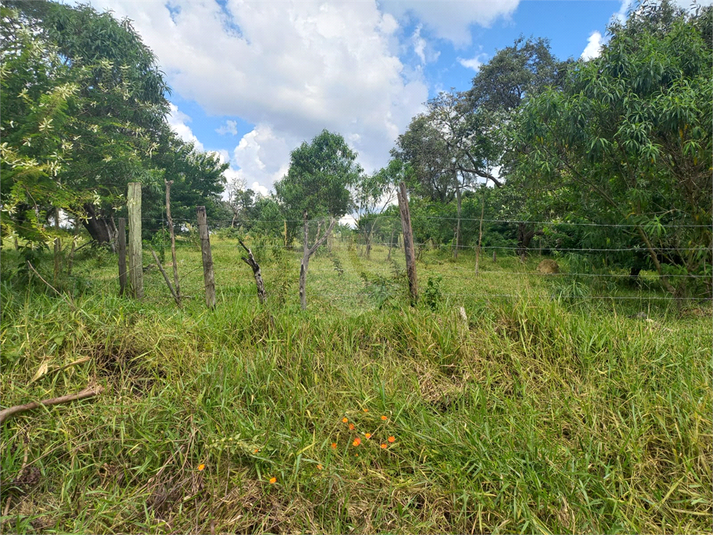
x: 384, y: 417
x: 319, y: 467
x: 201, y: 467
x: 255, y: 450
x: 367, y: 435
x: 365, y: 410
x: 391, y: 439
x: 345, y: 419
x: 273, y: 480
x: 334, y: 445
x: 356, y: 442
x: 384, y: 446
x: 351, y: 427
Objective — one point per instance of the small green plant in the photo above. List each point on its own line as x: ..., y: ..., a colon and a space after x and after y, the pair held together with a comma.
x: 432, y: 295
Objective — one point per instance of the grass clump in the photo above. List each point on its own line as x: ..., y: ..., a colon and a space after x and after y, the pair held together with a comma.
x: 530, y: 415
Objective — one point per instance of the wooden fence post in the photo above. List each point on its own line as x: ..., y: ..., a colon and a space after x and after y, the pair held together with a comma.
x: 136, y: 267
x: 121, y: 245
x: 176, y: 283
x: 408, y: 242
x: 207, y: 258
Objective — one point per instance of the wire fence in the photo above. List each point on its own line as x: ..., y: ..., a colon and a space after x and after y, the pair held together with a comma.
x: 343, y: 274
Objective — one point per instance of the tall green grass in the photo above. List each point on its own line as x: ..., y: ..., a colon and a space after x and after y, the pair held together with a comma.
x: 537, y: 414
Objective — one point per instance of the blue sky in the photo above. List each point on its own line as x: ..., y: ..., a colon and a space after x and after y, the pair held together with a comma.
x: 251, y: 80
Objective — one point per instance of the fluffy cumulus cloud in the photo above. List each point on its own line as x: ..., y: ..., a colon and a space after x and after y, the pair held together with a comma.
x: 178, y: 120
x: 593, y: 48
x: 294, y: 68
x: 263, y: 157
x: 452, y: 20
x: 474, y: 63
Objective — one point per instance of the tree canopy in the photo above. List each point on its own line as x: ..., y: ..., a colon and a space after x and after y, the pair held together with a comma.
x: 83, y: 113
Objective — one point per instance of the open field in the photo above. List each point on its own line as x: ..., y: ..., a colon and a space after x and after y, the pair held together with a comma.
x: 552, y: 409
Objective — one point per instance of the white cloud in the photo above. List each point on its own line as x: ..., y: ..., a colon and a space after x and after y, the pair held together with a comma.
x: 474, y: 63
x: 290, y: 68
x: 230, y: 127
x: 177, y: 121
x: 593, y: 48
x: 263, y: 156
x: 452, y: 20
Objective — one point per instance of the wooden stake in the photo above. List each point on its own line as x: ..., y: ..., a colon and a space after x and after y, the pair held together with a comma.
x: 250, y: 261
x: 208, y: 276
x: 121, y: 244
x: 176, y: 286
x: 165, y: 277
x: 136, y: 268
x: 408, y: 242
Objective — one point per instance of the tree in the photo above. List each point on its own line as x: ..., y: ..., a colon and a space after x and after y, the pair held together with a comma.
x: 372, y: 196
x: 112, y: 100
x: 629, y: 136
x: 197, y: 180
x: 317, y: 185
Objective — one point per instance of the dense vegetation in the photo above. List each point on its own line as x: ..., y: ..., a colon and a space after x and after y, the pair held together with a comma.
x: 505, y: 400
x: 542, y: 412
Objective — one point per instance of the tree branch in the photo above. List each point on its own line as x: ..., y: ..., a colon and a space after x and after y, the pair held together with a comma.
x: 88, y: 392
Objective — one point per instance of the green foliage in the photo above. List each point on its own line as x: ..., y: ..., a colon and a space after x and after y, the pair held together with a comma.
x: 318, y: 181
x: 83, y: 113
x: 628, y: 139
x: 432, y: 295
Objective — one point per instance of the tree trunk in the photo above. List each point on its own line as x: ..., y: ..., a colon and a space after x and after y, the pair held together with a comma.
x: 458, y: 207
x: 524, y: 237
x: 480, y: 235
x: 307, y: 252
x: 101, y: 229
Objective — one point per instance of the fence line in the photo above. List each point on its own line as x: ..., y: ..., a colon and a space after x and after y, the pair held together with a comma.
x: 440, y: 218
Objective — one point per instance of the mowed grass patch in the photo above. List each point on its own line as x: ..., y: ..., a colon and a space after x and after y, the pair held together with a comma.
x: 532, y: 415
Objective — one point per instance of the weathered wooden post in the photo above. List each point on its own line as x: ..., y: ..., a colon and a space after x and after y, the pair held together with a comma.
x: 121, y: 245
x: 136, y: 268
x: 408, y: 242
x: 250, y: 261
x: 208, y: 276
x: 176, y: 288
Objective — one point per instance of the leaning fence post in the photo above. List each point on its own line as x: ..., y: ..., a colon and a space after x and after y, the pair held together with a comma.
x: 136, y: 268
x: 121, y: 246
x: 207, y: 257
x: 408, y: 242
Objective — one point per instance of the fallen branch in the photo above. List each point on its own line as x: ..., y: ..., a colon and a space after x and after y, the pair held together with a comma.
x: 88, y: 392
x: 250, y: 261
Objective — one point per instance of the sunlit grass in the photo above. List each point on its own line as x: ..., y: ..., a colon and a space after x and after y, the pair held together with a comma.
x: 536, y: 414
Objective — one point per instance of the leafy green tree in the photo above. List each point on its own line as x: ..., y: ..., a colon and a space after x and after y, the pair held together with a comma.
x: 317, y: 185
x: 198, y: 180
x: 113, y: 105
x: 629, y: 137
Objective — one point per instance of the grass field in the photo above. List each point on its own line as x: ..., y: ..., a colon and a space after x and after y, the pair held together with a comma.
x: 549, y: 410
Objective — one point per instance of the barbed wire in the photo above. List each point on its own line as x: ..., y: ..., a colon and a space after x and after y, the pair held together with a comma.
x: 440, y: 218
